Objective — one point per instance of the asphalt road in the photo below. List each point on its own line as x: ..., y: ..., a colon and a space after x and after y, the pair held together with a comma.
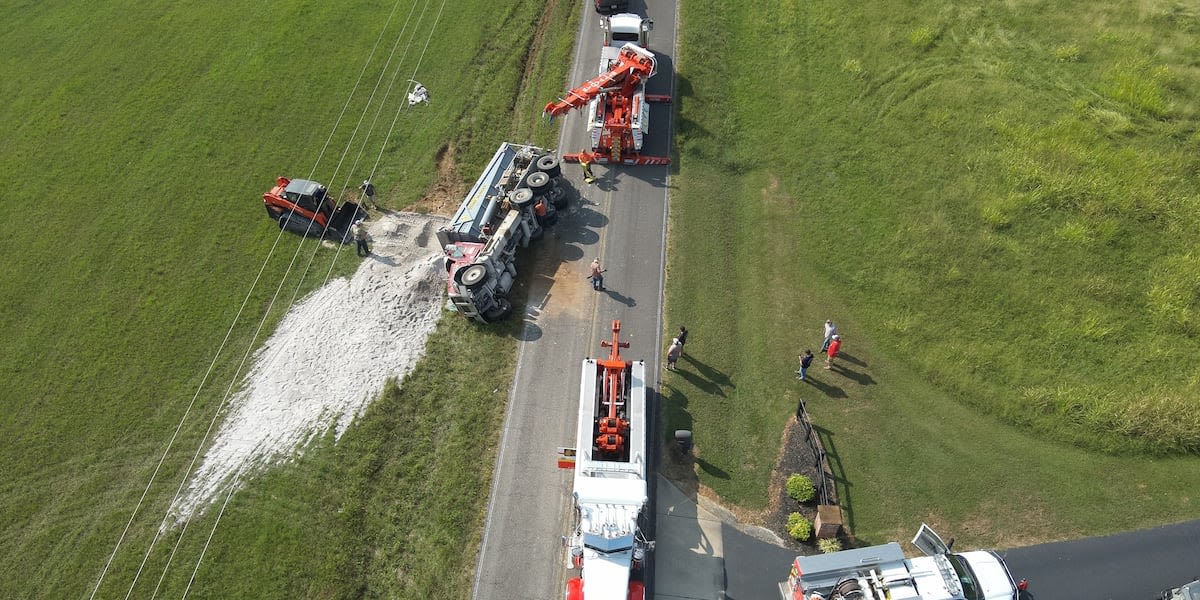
x: 621, y: 219
x: 1137, y: 565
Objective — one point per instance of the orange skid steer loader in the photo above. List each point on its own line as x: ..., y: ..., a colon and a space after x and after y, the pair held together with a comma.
x: 304, y: 207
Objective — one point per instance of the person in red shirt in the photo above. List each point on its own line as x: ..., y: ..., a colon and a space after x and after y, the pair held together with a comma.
x: 835, y: 346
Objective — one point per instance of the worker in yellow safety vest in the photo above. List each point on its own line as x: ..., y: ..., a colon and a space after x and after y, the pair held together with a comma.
x: 587, y: 170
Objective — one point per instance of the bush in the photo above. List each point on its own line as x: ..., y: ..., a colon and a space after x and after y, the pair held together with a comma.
x: 800, y: 488
x: 798, y: 527
x: 829, y: 545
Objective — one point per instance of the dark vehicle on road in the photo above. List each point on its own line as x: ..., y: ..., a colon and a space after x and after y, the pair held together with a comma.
x: 611, y: 6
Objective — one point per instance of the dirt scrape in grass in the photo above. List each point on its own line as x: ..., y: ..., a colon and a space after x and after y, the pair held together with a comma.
x: 330, y: 356
x: 531, y: 74
x: 447, y: 191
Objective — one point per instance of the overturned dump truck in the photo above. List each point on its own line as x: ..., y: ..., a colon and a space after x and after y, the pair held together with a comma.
x: 515, y: 200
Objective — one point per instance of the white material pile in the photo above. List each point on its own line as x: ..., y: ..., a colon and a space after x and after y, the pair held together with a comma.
x: 330, y: 356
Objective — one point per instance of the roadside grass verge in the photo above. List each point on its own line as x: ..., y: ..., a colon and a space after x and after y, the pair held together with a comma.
x: 997, y: 206
x: 141, y: 139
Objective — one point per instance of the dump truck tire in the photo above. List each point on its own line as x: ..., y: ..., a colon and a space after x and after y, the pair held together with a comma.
x: 550, y: 165
x: 473, y: 276
x: 537, y: 181
x: 522, y: 197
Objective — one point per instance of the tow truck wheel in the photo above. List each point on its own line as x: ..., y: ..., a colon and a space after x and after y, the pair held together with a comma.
x: 522, y: 197
x: 550, y: 165
x: 537, y: 181
x: 473, y: 276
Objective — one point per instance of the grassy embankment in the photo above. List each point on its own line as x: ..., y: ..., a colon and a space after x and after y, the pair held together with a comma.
x: 997, y: 204
x: 139, y: 139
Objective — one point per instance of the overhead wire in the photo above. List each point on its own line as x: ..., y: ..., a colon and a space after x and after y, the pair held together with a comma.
x: 233, y: 482
x: 216, y: 357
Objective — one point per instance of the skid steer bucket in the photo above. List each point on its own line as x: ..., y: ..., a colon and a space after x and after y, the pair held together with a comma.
x: 345, y: 216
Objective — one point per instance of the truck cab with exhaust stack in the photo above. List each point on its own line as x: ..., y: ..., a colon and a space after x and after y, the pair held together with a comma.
x: 884, y: 573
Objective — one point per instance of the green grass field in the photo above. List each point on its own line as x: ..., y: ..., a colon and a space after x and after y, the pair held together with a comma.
x: 139, y: 140
x: 997, y: 204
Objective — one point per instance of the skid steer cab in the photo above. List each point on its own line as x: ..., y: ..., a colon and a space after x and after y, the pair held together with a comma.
x: 304, y: 207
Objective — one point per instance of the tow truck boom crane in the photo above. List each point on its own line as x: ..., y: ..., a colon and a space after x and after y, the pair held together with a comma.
x: 620, y: 95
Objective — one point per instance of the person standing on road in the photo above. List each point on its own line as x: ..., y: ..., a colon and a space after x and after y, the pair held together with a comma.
x: 359, y: 231
x: 673, y: 353
x: 368, y: 190
x: 835, y: 346
x: 587, y: 170
x: 597, y: 275
x: 805, y: 362
x: 830, y: 329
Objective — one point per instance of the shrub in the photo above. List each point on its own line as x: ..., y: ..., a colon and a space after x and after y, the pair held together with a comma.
x: 800, y: 488
x: 829, y: 545
x: 798, y: 527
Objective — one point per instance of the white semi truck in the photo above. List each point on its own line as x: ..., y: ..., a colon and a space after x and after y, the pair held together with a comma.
x: 884, y: 573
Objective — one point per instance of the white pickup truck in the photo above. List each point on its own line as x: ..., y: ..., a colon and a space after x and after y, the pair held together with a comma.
x: 1189, y: 591
x: 883, y: 573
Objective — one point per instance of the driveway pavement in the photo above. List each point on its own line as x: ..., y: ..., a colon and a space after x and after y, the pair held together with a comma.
x: 702, y: 554
x: 1137, y: 565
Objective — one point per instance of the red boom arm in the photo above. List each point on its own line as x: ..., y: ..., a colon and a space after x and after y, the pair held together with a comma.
x: 633, y: 65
